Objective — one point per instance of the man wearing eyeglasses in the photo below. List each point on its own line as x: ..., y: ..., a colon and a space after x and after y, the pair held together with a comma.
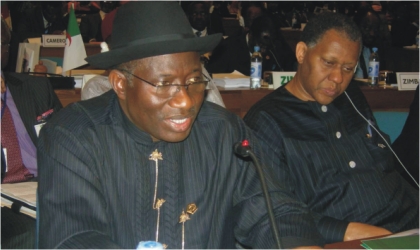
x: 199, y: 17
x: 152, y: 161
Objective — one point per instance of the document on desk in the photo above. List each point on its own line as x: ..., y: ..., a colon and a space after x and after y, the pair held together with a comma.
x: 231, y: 80
x: 404, y: 240
x: 21, y: 194
x: 51, y: 65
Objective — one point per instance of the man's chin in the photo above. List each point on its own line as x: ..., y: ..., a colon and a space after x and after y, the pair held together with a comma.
x: 325, y: 100
x: 172, y: 137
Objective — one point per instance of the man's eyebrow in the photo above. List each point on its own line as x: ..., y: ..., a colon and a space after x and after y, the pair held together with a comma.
x: 169, y: 75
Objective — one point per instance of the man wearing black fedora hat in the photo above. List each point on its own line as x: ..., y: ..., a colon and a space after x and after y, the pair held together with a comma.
x: 150, y: 160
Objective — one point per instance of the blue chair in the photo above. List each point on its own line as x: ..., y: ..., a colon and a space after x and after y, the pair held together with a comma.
x: 391, y: 122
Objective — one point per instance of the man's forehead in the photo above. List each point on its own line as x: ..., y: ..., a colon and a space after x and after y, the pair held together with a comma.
x: 166, y: 61
x: 199, y: 6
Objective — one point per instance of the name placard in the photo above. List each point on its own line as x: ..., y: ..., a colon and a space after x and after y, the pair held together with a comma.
x: 53, y: 40
x: 407, y: 80
x: 278, y: 78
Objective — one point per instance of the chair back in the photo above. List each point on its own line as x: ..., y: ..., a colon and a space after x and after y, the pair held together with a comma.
x: 391, y: 122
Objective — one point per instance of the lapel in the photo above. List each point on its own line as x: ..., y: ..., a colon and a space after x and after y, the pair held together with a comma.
x: 39, y: 21
x: 25, y: 103
x: 244, y: 47
x: 95, y: 20
x: 244, y: 57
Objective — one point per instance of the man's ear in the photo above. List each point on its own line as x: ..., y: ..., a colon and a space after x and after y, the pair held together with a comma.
x: 301, y: 50
x: 118, y: 82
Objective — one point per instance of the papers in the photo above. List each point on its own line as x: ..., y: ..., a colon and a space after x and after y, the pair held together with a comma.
x: 51, y: 65
x: 405, y: 233
x: 231, y: 80
x: 23, y: 193
x: 404, y: 240
x: 34, y: 40
x: 28, y: 57
x: 411, y: 47
x: 232, y: 83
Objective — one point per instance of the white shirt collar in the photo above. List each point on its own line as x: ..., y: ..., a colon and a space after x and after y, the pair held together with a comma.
x: 247, y: 42
x: 45, y: 22
x: 203, y: 32
x: 103, y: 14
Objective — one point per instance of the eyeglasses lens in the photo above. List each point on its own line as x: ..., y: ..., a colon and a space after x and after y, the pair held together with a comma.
x: 171, y: 90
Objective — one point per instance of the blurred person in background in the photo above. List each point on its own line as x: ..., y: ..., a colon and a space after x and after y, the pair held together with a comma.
x: 234, y: 53
x: 90, y: 25
x: 405, y: 25
x: 250, y: 11
x: 369, y: 24
x: 45, y: 18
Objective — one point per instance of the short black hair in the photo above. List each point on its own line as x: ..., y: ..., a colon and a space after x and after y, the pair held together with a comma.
x: 362, y: 13
x: 318, y: 25
x: 263, y: 24
x: 190, y: 8
x: 53, y: 4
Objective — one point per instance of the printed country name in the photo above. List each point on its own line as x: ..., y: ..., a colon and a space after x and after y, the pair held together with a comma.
x: 56, y: 40
x: 285, y: 79
x: 410, y: 81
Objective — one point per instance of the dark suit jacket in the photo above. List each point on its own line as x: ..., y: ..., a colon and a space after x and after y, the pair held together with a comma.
x: 33, y: 95
x: 32, y: 24
x: 406, y: 146
x: 87, y: 150
x: 233, y: 54
x: 90, y: 27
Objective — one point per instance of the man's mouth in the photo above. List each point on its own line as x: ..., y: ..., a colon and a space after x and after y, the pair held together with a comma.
x: 180, y: 124
x: 179, y: 121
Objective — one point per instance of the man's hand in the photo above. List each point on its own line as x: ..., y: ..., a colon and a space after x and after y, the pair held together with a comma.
x: 356, y: 230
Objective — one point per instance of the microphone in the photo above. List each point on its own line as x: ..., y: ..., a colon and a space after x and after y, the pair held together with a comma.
x: 243, y: 149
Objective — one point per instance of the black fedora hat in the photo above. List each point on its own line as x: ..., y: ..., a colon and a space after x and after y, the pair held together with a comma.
x: 144, y: 29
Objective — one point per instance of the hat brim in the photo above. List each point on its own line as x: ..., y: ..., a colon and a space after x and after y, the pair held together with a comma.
x: 117, y: 56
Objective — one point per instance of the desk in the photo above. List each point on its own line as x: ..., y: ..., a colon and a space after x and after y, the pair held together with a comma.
x: 68, y: 96
x: 91, y: 49
x: 240, y: 100
x: 390, y: 99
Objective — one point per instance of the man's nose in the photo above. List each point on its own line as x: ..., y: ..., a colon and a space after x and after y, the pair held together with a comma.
x: 336, y: 75
x: 182, y: 99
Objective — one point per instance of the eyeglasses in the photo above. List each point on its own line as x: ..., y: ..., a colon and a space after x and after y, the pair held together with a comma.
x: 165, y: 89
